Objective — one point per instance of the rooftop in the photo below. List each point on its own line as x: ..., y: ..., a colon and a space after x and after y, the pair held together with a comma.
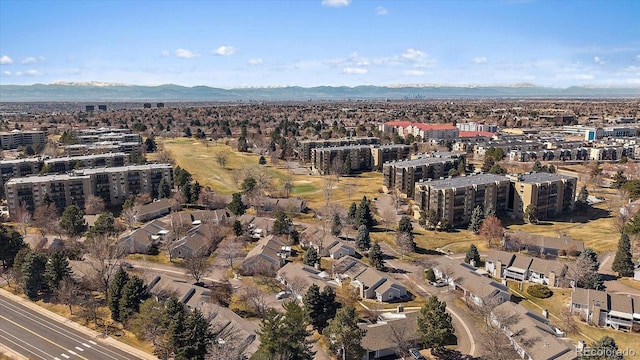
x: 464, y: 181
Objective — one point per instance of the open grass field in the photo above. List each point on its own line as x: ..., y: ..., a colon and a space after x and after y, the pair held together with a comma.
x: 199, y: 158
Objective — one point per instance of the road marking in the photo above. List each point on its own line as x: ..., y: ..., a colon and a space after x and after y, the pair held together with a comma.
x: 72, y: 352
x: 93, y: 342
x: 86, y: 345
x: 65, y: 356
x: 79, y: 348
x: 36, y: 334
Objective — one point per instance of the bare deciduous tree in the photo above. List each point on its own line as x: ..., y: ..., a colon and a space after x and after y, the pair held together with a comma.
x: 23, y: 216
x: 164, y: 155
x: 401, y: 339
x: 47, y: 220
x: 130, y: 216
x: 94, y: 205
x: 197, y: 267
x: 495, y: 343
x: 388, y: 217
x: 327, y: 189
x: 255, y: 299
x: 230, y: 251
x: 68, y: 293
x: 222, y: 157
x: 491, y: 230
x: 103, y: 256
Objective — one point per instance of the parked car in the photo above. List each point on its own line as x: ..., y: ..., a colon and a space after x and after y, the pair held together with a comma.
x: 283, y: 294
x: 439, y: 283
x: 416, y: 354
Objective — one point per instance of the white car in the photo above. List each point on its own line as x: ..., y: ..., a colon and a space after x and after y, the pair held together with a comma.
x: 283, y: 294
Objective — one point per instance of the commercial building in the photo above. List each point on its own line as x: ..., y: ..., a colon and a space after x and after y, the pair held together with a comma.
x: 16, y: 138
x: 305, y: 147
x: 402, y: 175
x: 591, y: 133
x: 454, y: 199
x: 113, y: 185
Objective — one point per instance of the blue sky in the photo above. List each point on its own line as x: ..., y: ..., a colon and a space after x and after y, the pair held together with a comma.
x: 241, y: 43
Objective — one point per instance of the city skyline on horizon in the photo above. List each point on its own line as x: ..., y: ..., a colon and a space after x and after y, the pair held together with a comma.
x: 236, y: 44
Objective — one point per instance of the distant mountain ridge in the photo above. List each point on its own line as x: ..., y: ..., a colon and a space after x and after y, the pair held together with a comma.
x: 99, y: 91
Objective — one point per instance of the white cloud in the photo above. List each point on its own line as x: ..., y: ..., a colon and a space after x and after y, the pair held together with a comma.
x: 165, y: 53
x: 335, y: 3
x: 5, y: 60
x: 257, y: 61
x: 186, y: 54
x: 479, y: 60
x: 6, y: 73
x: 599, y: 60
x: 638, y: 57
x: 354, y: 70
x: 225, y: 51
x: 30, y: 72
x: 380, y: 10
x: 414, y: 72
x: 33, y: 60
x: 413, y: 54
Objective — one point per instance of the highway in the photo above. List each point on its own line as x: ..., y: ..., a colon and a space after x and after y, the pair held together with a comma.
x: 35, y: 336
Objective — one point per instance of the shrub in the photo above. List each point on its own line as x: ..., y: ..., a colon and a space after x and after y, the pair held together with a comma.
x: 430, y: 275
x: 539, y: 291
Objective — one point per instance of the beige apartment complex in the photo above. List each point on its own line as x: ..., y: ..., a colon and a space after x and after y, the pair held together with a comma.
x: 454, y: 199
x: 16, y: 138
x: 402, y: 175
x: 113, y: 185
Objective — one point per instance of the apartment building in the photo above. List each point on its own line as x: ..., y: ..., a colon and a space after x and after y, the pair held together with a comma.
x: 454, y: 199
x: 16, y: 138
x: 477, y: 127
x: 19, y: 168
x: 425, y: 131
x: 344, y: 159
x: 113, y: 185
x: 403, y: 175
x: 385, y: 153
x: 305, y: 147
x: 110, y: 137
x: 552, y: 194
x: 102, y: 147
x: 68, y: 163
x: 63, y: 190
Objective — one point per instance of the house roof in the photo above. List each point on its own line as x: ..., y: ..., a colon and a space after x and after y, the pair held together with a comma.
x: 307, y: 274
x: 145, y: 235
x: 589, y: 297
x: 466, y: 277
x: 389, y: 284
x: 522, y: 262
x: 380, y: 336
x: 155, y: 206
x: 268, y: 247
x: 340, y: 245
x: 197, y: 239
x: 560, y: 242
x: 350, y: 267
x: 534, y: 334
x: 506, y: 258
x: 547, y: 266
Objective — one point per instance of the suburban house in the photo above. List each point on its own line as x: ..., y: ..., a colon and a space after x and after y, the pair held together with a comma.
x: 602, y: 308
x: 142, y: 240
x: 284, y: 204
x: 371, y: 283
x: 154, y: 210
x: 541, y: 245
x: 298, y: 277
x: 473, y: 283
x: 519, y: 267
x: 267, y: 256
x: 220, y: 216
x: 383, y: 338
x: 531, y: 335
x: 339, y: 249
x: 197, y: 242
x: 229, y: 326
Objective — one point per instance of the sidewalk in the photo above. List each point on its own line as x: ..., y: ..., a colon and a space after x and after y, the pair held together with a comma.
x: 92, y: 333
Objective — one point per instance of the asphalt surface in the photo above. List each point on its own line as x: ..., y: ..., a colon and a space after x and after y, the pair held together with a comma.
x: 35, y: 336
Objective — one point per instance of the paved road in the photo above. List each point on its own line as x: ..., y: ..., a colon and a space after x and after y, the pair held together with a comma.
x: 35, y: 336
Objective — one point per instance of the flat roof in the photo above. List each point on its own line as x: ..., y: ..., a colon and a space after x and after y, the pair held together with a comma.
x: 85, y: 157
x: 464, y: 181
x: 45, y: 178
x: 419, y: 161
x: 539, y: 177
x: 123, y: 168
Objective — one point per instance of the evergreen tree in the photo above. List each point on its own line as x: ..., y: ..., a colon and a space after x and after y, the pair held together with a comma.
x: 282, y: 224
x: 262, y: 160
x: 181, y: 176
x: 294, y: 330
x: 434, y: 325
x: 150, y: 145
x: 105, y: 225
x: 363, y: 214
x: 531, y: 214
x: 477, y: 216
x: 72, y: 221
x: 607, y: 347
x: 133, y: 294
x: 236, y: 206
x: 489, y: 211
x: 270, y: 335
x: 311, y: 257
x: 537, y: 166
x: 587, y: 265
x: 376, y: 256
x: 11, y: 243
x: 552, y: 169
x: 351, y: 214
x: 56, y: 269
x: 329, y: 307
x: 164, y: 188
x: 472, y: 254
x: 33, y: 268
x: 622, y: 263
x: 195, y: 338
x: 343, y: 334
x: 115, y: 293
x: 619, y: 180
x: 405, y: 224
x: 336, y: 225
x: 363, y: 241
x: 312, y: 301
x: 237, y: 228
